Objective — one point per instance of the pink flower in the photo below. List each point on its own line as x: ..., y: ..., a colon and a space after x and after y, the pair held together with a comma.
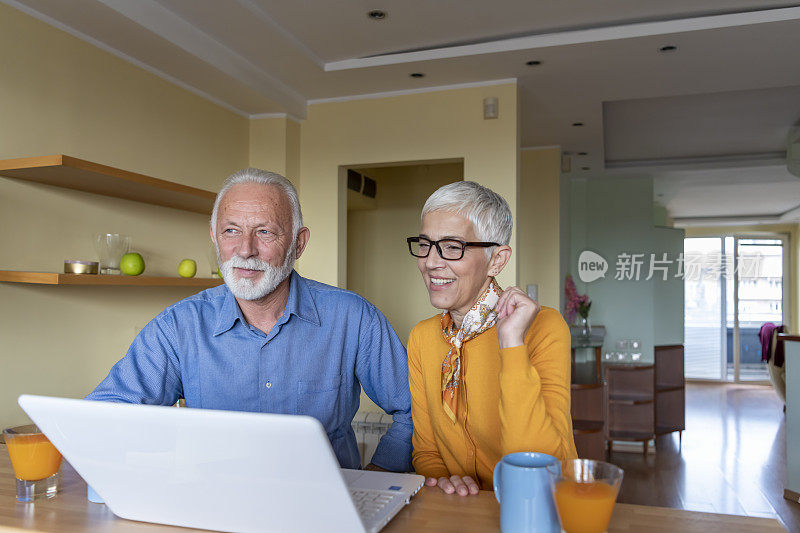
x: 577, y: 304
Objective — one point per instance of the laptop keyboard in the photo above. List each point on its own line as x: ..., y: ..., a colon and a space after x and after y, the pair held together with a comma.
x: 370, y: 503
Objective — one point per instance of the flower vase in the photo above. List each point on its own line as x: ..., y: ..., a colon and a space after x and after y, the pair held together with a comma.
x: 586, y: 327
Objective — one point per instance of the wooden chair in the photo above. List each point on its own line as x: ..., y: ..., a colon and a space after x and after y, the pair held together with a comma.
x: 670, y: 391
x: 588, y: 420
x: 630, y: 403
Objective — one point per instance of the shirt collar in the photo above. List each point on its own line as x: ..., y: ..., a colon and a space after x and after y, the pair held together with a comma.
x: 300, y: 303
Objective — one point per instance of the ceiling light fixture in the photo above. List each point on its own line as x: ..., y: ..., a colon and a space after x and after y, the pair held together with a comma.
x: 417, y: 75
x: 533, y: 63
x: 377, y: 14
x: 577, y: 124
x: 668, y: 48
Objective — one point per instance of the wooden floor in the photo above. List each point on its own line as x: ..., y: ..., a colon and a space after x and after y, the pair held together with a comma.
x: 732, y: 459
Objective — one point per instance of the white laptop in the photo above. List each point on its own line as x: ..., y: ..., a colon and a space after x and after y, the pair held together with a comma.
x: 219, y: 470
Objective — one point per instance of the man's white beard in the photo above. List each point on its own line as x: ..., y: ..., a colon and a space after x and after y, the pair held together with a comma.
x: 255, y: 289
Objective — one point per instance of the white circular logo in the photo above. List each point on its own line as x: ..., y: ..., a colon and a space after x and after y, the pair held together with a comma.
x: 591, y: 266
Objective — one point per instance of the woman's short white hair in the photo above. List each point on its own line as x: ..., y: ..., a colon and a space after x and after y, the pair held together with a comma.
x: 487, y: 210
x: 262, y: 177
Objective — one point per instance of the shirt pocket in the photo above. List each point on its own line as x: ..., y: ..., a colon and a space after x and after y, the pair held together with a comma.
x: 321, y: 398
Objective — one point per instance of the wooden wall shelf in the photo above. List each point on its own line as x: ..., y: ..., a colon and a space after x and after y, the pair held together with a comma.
x: 73, y: 173
x: 54, y: 278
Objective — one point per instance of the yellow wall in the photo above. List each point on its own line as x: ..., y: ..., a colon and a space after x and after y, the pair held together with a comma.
x: 293, y: 152
x: 61, y: 95
x: 793, y: 230
x: 275, y: 146
x: 537, y: 223
x: 418, y: 127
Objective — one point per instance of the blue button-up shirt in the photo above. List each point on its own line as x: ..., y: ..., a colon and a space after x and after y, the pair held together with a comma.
x: 326, y: 346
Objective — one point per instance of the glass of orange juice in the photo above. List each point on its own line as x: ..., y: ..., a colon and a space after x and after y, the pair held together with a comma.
x: 585, y: 492
x: 35, y: 461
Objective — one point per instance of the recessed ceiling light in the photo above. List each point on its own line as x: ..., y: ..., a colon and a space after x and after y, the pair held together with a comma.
x: 417, y: 75
x: 668, y: 48
x: 577, y: 124
x: 533, y: 63
x: 377, y: 14
x: 586, y: 168
x: 583, y: 153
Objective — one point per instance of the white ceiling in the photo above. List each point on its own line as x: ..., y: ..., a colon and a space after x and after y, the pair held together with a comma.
x: 730, y: 90
x: 757, y: 194
x: 700, y: 125
x: 420, y: 24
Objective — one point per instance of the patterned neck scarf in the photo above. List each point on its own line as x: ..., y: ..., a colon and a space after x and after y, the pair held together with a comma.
x: 477, y: 320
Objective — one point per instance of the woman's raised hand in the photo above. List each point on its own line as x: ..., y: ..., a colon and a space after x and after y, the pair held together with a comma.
x: 515, y: 314
x: 463, y: 486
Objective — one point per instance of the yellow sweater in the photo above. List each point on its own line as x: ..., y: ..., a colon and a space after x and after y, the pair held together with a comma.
x: 511, y: 400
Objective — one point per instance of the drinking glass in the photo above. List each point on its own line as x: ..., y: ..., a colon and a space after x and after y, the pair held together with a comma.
x: 111, y: 247
x: 585, y: 492
x: 635, y: 346
x: 35, y: 461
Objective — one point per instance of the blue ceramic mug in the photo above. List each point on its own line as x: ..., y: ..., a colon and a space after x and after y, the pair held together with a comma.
x: 522, y: 487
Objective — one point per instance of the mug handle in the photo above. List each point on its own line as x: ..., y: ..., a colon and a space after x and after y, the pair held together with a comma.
x: 496, y: 480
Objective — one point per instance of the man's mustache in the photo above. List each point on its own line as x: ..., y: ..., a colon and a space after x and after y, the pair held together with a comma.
x: 251, y: 263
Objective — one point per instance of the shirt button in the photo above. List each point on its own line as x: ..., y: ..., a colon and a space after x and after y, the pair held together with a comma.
x: 269, y: 384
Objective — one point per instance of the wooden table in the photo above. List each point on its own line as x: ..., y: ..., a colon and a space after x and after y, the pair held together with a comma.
x: 431, y: 510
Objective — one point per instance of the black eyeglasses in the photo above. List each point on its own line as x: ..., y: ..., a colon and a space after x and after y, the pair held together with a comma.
x: 450, y: 249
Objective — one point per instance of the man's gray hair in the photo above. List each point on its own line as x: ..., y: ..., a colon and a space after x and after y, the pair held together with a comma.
x: 487, y: 210
x: 262, y: 177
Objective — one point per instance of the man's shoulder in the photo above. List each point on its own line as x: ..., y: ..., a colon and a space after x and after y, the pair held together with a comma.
x: 210, y: 299
x: 327, y: 295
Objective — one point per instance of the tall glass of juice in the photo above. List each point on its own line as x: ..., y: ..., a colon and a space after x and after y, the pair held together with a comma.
x: 585, y: 492
x: 35, y: 461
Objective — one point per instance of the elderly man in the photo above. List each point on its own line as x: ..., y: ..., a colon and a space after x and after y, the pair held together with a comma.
x: 269, y: 340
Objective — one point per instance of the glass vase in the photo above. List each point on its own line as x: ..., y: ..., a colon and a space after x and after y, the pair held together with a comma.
x: 585, y: 327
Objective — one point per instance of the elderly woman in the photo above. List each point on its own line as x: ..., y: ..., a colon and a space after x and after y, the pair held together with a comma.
x: 490, y: 375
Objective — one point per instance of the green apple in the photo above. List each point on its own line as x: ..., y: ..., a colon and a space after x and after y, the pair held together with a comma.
x: 131, y: 264
x: 187, y: 268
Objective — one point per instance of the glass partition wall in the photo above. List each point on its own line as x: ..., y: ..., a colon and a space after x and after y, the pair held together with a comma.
x: 733, y: 285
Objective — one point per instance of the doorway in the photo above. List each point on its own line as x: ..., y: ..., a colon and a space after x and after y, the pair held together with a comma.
x: 379, y: 266
x: 733, y: 285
